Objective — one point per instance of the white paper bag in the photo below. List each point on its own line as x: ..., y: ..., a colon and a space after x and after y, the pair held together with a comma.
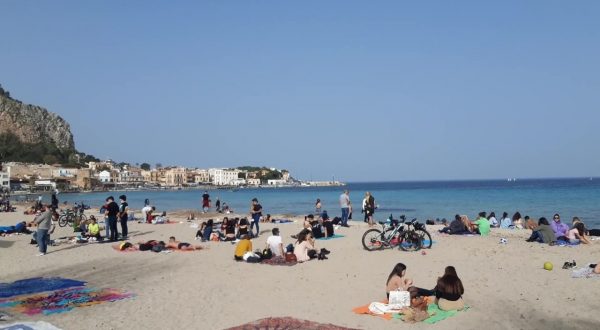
x: 399, y: 299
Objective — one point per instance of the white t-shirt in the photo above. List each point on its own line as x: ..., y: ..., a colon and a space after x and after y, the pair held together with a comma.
x: 274, y: 242
x: 145, y: 211
x: 344, y: 201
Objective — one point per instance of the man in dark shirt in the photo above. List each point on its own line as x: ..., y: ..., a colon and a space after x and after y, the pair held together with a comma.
x: 123, y: 215
x: 112, y: 209
x: 205, y: 202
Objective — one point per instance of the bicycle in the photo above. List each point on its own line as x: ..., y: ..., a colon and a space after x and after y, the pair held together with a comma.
x: 66, y: 217
x: 393, y: 233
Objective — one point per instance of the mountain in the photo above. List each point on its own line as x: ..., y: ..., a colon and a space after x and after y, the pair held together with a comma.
x: 30, y: 133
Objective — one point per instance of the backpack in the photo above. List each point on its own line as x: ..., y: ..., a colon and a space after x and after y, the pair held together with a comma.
x: 267, y: 254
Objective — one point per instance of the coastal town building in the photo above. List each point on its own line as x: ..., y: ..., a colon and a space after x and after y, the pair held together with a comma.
x: 224, y: 177
x: 175, y: 176
x: 5, y: 178
x: 277, y: 182
x: 253, y: 182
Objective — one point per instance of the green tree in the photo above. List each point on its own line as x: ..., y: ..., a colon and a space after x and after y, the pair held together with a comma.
x: 145, y: 166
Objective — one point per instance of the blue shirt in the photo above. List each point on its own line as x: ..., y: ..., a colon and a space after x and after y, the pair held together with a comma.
x: 505, y: 223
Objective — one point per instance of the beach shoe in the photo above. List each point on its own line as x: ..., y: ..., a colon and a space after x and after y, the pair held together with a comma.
x: 40, y: 254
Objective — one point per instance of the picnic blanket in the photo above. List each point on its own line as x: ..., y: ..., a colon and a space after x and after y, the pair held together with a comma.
x: 137, y: 249
x: 436, y: 314
x: 39, y: 325
x: 287, y: 323
x: 331, y: 237
x: 277, y: 261
x: 36, y: 285
x: 53, y: 295
x: 584, y: 272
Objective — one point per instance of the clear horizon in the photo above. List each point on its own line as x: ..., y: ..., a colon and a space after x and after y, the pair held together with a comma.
x: 361, y: 92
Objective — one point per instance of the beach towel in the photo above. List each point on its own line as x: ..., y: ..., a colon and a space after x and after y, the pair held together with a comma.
x: 39, y: 325
x: 331, y: 237
x: 36, y: 285
x: 282, y: 221
x: 584, y: 272
x: 436, y: 314
x: 133, y: 248
x: 278, y: 261
x: 60, y: 301
x: 287, y: 323
x: 433, y: 310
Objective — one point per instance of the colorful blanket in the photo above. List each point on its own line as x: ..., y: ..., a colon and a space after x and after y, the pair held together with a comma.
x: 60, y: 301
x: 287, y: 323
x: 277, y: 261
x: 36, y: 285
x: 433, y: 310
x: 39, y: 325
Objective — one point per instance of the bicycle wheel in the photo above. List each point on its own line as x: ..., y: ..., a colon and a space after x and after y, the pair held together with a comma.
x: 371, y: 240
x: 63, y: 221
x: 394, y: 241
x: 426, y: 241
x: 410, y: 241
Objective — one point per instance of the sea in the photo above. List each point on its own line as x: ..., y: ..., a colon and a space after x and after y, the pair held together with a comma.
x: 424, y: 200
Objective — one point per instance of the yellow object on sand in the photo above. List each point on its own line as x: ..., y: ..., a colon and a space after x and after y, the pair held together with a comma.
x: 548, y: 265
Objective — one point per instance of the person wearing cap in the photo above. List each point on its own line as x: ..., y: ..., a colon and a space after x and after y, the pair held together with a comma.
x: 256, y: 213
x: 112, y: 210
x: 275, y: 244
x: 328, y: 224
x: 123, y: 208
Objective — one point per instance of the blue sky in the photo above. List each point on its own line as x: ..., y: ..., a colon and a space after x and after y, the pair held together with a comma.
x: 386, y: 90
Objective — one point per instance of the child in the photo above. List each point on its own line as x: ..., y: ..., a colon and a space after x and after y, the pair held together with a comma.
x: 93, y: 229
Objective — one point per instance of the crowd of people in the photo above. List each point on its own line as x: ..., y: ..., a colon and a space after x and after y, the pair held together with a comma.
x: 542, y: 230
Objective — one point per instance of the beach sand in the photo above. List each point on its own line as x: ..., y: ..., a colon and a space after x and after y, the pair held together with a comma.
x: 505, y: 285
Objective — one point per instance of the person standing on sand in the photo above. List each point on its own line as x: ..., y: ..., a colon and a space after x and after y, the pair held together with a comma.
x: 256, y: 213
x: 369, y: 208
x: 44, y: 229
x: 123, y: 216
x: 205, y: 202
x: 218, y: 205
x: 318, y: 206
x: 344, y: 200
x: 112, y: 210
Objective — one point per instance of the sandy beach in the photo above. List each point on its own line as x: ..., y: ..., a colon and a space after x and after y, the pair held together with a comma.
x: 505, y: 284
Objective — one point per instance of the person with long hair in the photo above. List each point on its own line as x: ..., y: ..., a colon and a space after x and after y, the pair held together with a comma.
x: 305, y: 247
x: 493, y: 221
x: 506, y: 222
x: 517, y: 221
x: 449, y: 291
x: 577, y: 234
x: 543, y: 233
x: 397, y: 280
x: 369, y: 207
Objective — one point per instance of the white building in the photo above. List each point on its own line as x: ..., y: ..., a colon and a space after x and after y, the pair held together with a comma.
x: 65, y: 172
x: 253, y: 182
x: 5, y: 179
x: 104, y: 177
x: 223, y: 177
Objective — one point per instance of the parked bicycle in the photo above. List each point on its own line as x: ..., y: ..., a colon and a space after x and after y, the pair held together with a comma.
x: 72, y: 217
x: 409, y: 236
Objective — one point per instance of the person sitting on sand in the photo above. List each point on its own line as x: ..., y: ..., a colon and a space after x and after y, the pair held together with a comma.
x: 317, y: 229
x: 517, y: 221
x: 205, y: 230
x: 177, y: 245
x: 328, y: 224
x: 456, y: 227
x: 481, y: 225
x: 305, y: 248
x: 543, y: 233
x: 468, y: 225
x: 560, y: 229
x: 449, y: 291
x: 493, y: 221
x: 577, y: 234
x: 228, y: 226
x: 93, y: 229
x: 397, y: 280
x: 275, y: 244
x: 308, y: 220
x: 243, y: 246
x: 266, y: 219
x: 242, y: 226
x: 506, y: 222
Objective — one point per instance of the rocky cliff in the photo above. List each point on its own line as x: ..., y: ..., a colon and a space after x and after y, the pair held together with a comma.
x: 33, y: 124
